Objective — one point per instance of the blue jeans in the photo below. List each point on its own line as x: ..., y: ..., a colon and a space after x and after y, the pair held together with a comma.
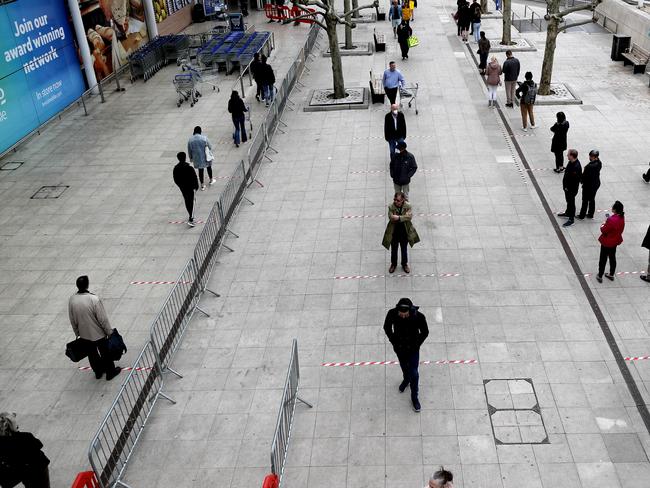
x: 392, y: 145
x: 240, y: 128
x: 409, y: 361
x: 269, y: 93
x: 477, y: 31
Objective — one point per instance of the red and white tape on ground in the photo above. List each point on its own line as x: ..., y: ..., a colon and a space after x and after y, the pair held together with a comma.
x: 618, y: 273
x: 377, y: 171
x: 384, y: 215
x: 159, y: 282
x: 129, y: 368
x: 185, y: 221
x: 432, y: 275
x: 637, y: 358
x: 385, y: 363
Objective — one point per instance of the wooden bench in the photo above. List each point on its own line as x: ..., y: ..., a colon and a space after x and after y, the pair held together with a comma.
x: 377, y: 93
x: 380, y: 41
x: 636, y: 56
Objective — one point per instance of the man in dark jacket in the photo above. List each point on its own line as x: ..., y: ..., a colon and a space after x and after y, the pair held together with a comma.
x: 268, y: 81
x: 406, y: 329
x: 590, y: 185
x: 510, y: 71
x: 394, y: 128
x: 571, y: 185
x: 21, y: 456
x: 186, y: 180
x: 402, y: 168
x: 646, y: 244
x: 256, y: 73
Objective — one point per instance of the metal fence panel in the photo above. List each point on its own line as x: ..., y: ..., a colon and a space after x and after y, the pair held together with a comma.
x: 168, y: 327
x: 256, y: 152
x: 120, y: 430
x: 232, y: 193
x: 205, y: 252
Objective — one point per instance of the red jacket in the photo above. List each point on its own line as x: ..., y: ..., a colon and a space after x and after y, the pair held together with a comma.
x: 612, y: 231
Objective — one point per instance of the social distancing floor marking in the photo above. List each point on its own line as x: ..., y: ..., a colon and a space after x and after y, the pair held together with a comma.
x: 382, y: 171
x: 159, y: 282
x: 128, y: 368
x: 384, y: 215
x: 410, y: 275
x: 390, y: 363
x: 618, y: 273
x: 185, y: 221
x: 637, y: 358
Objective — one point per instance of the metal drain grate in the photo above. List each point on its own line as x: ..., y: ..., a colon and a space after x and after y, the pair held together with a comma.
x: 49, y: 192
x: 514, y: 411
x: 11, y: 165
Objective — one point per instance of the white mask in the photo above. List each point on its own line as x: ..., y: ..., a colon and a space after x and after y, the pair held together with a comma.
x: 394, y: 112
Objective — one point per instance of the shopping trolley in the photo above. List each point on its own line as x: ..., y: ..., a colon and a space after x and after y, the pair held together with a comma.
x: 410, y: 93
x: 185, y: 84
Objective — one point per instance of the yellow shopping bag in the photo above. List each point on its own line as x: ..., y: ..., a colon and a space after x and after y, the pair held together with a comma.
x: 413, y: 41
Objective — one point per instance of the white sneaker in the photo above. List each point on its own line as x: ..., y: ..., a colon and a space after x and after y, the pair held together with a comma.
x: 533, y: 127
x: 213, y: 181
x: 202, y: 187
x: 524, y: 129
x: 191, y: 223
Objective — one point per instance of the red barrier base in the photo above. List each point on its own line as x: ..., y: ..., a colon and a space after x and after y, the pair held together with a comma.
x: 271, y: 481
x: 85, y: 480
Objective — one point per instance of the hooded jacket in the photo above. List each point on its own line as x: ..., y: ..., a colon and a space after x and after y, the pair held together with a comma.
x: 591, y: 175
x: 406, y: 334
x: 493, y: 73
x: 402, y: 167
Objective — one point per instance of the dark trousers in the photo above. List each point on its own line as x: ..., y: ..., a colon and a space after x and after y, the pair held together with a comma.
x: 483, y: 60
x: 38, y: 477
x: 559, y: 159
x: 646, y: 176
x: 588, y: 203
x: 403, y: 243
x: 209, y: 168
x: 570, y: 197
x: 98, y: 356
x: 188, y: 196
x: 260, y: 90
x: 409, y: 362
x: 404, y: 47
x: 240, y: 129
x: 605, y: 253
x: 391, y: 93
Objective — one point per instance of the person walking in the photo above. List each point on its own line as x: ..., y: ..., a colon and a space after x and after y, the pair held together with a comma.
x: 392, y: 81
x: 394, y: 128
x: 527, y: 94
x: 187, y: 182
x: 268, y: 81
x: 558, y: 142
x: 406, y: 329
x: 510, y: 74
x: 90, y: 323
x: 459, y: 4
x: 199, y: 149
x: 402, y: 168
x: 441, y: 479
x: 464, y: 19
x: 571, y: 185
x: 475, y: 8
x: 395, y: 16
x: 404, y: 31
x: 237, y: 108
x: 256, y: 70
x: 483, y: 52
x: 611, y: 236
x: 21, y: 456
x: 646, y: 244
x: 400, y: 231
x: 493, y: 80
x: 646, y: 176
x: 590, y: 185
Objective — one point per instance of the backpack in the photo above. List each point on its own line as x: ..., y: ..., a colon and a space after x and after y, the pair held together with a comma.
x: 531, y: 94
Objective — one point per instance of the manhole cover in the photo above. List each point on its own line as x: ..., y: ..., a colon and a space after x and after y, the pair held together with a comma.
x: 11, y: 165
x: 50, y: 192
x: 514, y: 411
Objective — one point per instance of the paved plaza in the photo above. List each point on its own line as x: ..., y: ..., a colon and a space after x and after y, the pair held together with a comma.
x: 537, y: 400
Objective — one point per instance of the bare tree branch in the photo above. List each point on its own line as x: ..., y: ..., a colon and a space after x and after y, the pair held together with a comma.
x: 575, y: 24
x: 309, y: 16
x: 372, y: 5
x: 570, y: 10
x: 306, y: 3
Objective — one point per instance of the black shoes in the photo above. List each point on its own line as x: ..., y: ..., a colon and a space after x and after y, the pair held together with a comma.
x: 416, y: 405
x: 645, y: 278
x: 567, y: 223
x: 392, y: 268
x: 580, y: 217
x: 403, y: 385
x: 610, y: 277
x: 406, y: 268
x: 562, y: 214
x: 113, y: 374
x: 509, y: 105
x: 99, y: 375
x: 599, y: 278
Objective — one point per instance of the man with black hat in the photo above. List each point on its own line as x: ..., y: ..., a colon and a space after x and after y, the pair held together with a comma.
x: 402, y: 168
x: 406, y: 329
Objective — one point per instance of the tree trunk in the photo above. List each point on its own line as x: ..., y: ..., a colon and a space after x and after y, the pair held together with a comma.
x: 355, y: 4
x: 549, y: 48
x: 337, y: 68
x: 484, y: 6
x: 506, y: 37
x: 348, y: 29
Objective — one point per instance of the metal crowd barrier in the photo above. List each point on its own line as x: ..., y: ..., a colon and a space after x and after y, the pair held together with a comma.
x: 114, y: 442
x: 280, y: 445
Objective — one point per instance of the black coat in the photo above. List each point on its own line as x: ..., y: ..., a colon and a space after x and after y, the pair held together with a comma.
x: 572, y: 175
x: 390, y: 132
x: 591, y: 175
x: 558, y: 143
x: 646, y: 239
x: 406, y: 334
x: 403, y: 33
x: 510, y: 69
x: 464, y: 15
x: 402, y: 167
x: 21, y: 455
x: 256, y: 69
x: 475, y: 8
x: 236, y: 107
x: 185, y: 177
x: 267, y: 76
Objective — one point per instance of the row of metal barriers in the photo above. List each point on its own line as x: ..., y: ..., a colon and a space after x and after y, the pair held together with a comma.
x: 114, y: 443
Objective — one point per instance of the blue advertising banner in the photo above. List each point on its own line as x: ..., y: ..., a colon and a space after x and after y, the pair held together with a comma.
x: 39, y: 67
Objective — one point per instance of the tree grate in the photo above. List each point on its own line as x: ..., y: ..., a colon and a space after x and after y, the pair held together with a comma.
x: 11, y: 165
x: 49, y: 192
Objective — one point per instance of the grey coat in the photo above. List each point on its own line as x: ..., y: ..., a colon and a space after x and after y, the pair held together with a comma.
x: 196, y: 150
x: 88, y: 317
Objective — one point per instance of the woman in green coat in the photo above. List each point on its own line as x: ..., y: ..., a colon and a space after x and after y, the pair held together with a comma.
x: 399, y: 231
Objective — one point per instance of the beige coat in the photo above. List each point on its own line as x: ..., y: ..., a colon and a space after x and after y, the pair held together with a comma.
x: 88, y: 317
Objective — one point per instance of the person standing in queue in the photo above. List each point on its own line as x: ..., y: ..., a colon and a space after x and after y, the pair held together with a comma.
x: 394, y: 128
x: 571, y: 185
x: 187, y: 182
x: 399, y: 231
x: 406, y: 329
x: 590, y: 185
x: 237, y: 109
x: 611, y: 236
x: 558, y: 143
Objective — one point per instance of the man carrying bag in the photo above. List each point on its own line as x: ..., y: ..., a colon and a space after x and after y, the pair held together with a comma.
x: 90, y: 324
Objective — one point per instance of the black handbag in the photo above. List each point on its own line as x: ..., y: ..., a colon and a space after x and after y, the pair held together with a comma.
x: 76, y: 350
x: 116, y: 346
